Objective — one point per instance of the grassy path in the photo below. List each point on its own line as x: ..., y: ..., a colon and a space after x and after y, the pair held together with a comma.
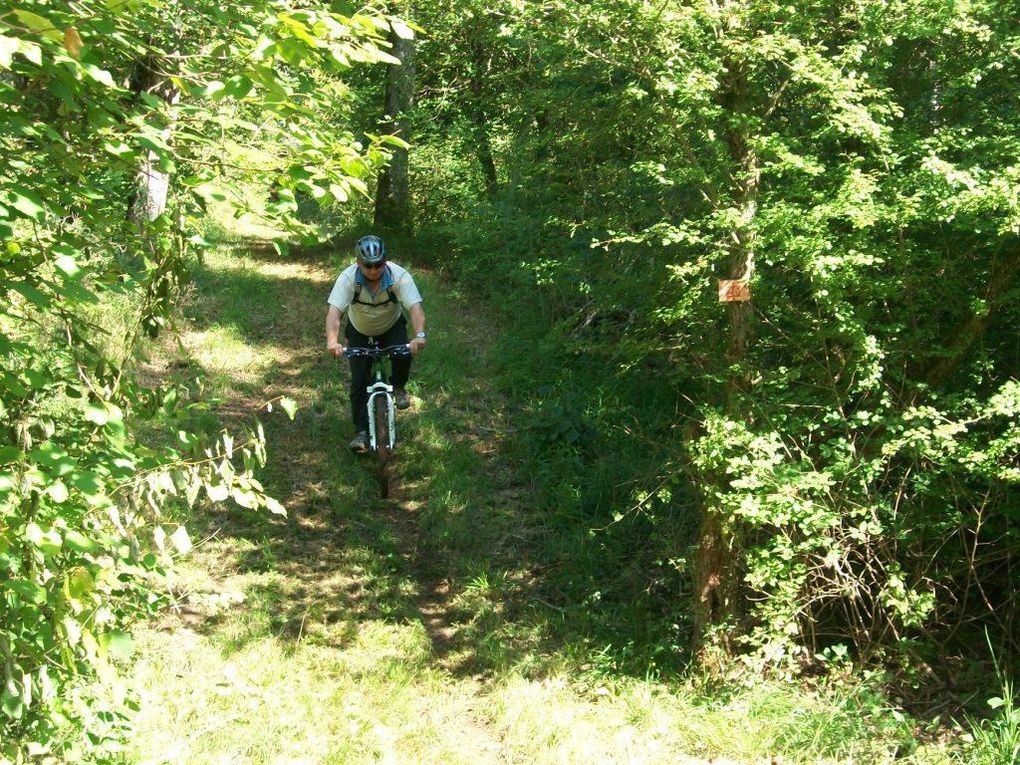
x: 357, y: 630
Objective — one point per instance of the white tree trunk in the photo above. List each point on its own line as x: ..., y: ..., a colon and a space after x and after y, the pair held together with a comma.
x: 151, y: 188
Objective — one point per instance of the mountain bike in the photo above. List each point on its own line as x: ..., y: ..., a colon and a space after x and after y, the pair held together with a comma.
x: 382, y: 412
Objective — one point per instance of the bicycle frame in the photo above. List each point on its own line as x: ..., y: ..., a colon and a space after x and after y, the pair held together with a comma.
x: 381, y: 404
x: 380, y: 387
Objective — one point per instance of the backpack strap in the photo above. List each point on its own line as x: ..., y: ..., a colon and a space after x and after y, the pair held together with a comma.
x: 357, y: 295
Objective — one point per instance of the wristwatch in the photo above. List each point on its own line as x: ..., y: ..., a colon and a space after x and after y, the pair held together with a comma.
x: 420, y: 334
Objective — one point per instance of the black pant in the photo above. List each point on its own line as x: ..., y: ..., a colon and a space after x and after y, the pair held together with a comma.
x: 361, y: 368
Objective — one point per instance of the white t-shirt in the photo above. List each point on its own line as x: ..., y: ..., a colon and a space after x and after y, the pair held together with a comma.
x: 373, y: 314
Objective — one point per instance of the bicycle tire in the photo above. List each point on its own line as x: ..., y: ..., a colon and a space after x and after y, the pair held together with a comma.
x: 382, y: 444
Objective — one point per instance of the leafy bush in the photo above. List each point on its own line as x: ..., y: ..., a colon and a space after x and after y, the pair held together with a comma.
x: 848, y: 443
x: 111, y: 147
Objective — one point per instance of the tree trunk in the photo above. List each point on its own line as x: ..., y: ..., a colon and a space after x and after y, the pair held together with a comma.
x: 483, y: 149
x: 483, y: 146
x: 716, y: 564
x: 152, y: 185
x: 392, y: 199
x: 151, y: 188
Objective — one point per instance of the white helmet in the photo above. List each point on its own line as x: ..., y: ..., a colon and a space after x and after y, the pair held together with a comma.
x: 370, y: 249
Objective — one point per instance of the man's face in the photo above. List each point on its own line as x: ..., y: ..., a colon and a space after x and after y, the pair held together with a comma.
x: 372, y: 271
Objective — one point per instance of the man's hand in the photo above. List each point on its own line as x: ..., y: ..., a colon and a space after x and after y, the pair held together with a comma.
x: 417, y: 344
x: 335, y: 349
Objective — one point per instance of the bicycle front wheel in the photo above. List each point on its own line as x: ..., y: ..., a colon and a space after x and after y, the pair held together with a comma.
x: 382, y: 444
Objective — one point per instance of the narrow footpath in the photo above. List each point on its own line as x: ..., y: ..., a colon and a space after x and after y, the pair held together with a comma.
x: 357, y: 630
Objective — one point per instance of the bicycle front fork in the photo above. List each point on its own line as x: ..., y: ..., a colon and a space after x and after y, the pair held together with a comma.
x: 386, y: 391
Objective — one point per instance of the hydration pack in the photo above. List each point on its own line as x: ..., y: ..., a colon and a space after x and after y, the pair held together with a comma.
x: 357, y: 296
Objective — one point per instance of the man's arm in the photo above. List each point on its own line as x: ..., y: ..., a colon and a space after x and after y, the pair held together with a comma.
x: 418, y: 323
x: 333, y: 345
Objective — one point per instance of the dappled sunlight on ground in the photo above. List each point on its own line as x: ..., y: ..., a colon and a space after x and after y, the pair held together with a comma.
x: 221, y: 351
x: 355, y: 630
x: 288, y: 269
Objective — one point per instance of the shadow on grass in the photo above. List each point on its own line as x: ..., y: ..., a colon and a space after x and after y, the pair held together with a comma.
x: 461, y: 549
x: 252, y: 303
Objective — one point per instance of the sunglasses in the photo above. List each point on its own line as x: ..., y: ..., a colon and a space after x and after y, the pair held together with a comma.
x: 380, y: 264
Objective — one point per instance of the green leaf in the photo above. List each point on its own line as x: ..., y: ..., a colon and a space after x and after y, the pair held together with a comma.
x: 209, y: 89
x: 78, y: 542
x: 79, y: 582
x: 33, y: 533
x: 339, y: 57
x: 11, y: 702
x: 117, y: 643
x: 300, y: 31
x: 13, y: 386
x: 393, y: 140
x: 209, y: 193
x: 8, y: 47
x: 9, y: 454
x: 27, y: 203
x: 31, y: 294
x: 58, y: 492
x: 181, y: 541
x: 191, y: 493
x: 72, y: 630
x: 402, y: 30
x: 101, y: 76
x: 292, y: 51
x: 274, y: 506
x: 76, y: 292
x: 29, y: 592
x: 289, y: 406
x: 67, y: 264
x: 96, y: 414
x: 264, y: 48
x: 37, y: 23
x: 217, y: 492
x: 31, y: 51
x: 120, y: 7
x: 339, y: 192
x: 118, y: 148
x: 152, y: 140
x: 55, y: 460
x: 238, y: 86
x: 245, y: 498
x: 49, y: 542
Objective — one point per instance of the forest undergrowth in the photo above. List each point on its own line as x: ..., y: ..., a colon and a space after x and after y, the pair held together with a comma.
x: 716, y: 448
x: 423, y: 628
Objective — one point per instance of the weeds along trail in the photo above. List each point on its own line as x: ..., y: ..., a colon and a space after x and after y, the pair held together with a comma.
x: 283, y: 619
x: 357, y: 630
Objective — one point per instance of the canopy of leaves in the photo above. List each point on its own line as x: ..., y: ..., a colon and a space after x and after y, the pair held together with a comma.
x: 862, y: 454
x: 98, y: 97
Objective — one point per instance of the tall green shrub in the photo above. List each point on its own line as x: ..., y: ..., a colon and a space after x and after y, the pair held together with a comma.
x: 857, y: 458
x: 85, y: 484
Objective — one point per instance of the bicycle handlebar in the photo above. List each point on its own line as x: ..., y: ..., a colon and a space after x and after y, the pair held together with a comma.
x: 378, y: 353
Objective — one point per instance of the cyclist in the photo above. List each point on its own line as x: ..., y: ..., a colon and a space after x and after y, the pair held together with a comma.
x: 373, y: 293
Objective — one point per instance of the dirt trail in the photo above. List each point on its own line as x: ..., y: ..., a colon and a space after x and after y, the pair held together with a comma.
x: 320, y: 588
x: 301, y: 329
x: 344, y: 605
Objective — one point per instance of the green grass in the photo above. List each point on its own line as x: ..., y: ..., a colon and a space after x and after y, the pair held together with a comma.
x: 426, y: 628
x: 997, y: 738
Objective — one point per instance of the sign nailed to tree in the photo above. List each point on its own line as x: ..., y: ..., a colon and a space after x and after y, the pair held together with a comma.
x: 734, y: 290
